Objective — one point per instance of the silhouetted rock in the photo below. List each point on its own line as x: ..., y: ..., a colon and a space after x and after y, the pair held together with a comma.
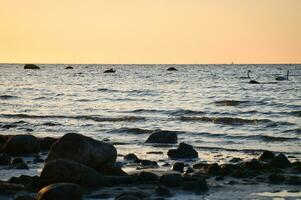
x: 69, y: 171
x: 172, y: 69
x: 280, y: 161
x: 83, y: 150
x: 162, y: 137
x: 137, y: 195
x: 253, y: 165
x: 47, y: 142
x: 253, y: 82
x: 163, y: 192
x: 197, y: 185
x: 171, y: 180
x: 178, y: 166
x: 267, y: 155
x: 131, y: 157
x: 276, y: 178
x: 213, y: 168
x: 147, y: 177
x: 31, y: 183
x: 149, y: 163
x: 31, y: 66
x: 21, y: 144
x: 22, y: 195
x: 5, y: 159
x: 183, y: 151
x: 111, y: 169
x: 69, y: 67
x: 60, y: 191
x: 110, y: 71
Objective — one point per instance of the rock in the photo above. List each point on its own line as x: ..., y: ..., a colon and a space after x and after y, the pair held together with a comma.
x: 47, y: 142
x: 18, y: 160
x: 69, y: 67
x: 198, y: 185
x: 227, y: 169
x: 294, y: 180
x: 253, y: 165
x: 31, y: 66
x: 178, y: 166
x: 266, y: 156
x: 167, y: 137
x: 280, y: 162
x: 163, y: 192
x: 131, y: 157
x: 213, y: 168
x: 10, y: 187
x: 23, y: 196
x: 110, y: 71
x: 5, y: 159
x: 253, y: 82
x: 171, y: 180
x: 21, y: 144
x: 111, y: 169
x: 60, y: 191
x: 276, y: 178
x: 20, y: 166
x: 235, y: 160
x: 84, y: 150
x: 131, y: 196
x: 149, y: 163
x: 183, y: 151
x: 172, y: 69
x: 69, y: 171
x: 31, y: 183
x: 147, y: 177
x: 188, y: 170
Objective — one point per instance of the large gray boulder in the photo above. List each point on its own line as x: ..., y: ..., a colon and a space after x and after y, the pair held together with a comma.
x: 21, y: 144
x: 84, y: 150
x: 61, y: 170
x: 60, y: 191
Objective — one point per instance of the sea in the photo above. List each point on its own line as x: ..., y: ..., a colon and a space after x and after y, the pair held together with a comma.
x: 212, y: 107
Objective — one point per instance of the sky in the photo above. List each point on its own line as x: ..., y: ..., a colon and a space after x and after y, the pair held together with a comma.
x: 150, y: 31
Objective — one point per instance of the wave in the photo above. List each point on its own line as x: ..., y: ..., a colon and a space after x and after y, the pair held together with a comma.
x: 7, y: 97
x: 77, y: 117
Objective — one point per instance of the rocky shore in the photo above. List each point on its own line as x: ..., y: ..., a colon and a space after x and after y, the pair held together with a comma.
x: 78, y: 167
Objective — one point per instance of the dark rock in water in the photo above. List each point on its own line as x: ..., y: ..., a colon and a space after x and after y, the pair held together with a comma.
x: 138, y: 195
x: 19, y: 166
x: 163, y: 192
x: 18, y: 160
x: 253, y: 165
x: 162, y: 137
x: 5, y: 159
x: 21, y: 144
x: 83, y: 150
x: 31, y: 183
x: 38, y: 160
x: 110, y: 71
x: 213, y: 168
x: 297, y: 166
x: 200, y: 165
x: 69, y: 67
x: 183, y: 151
x: 10, y: 187
x: 23, y: 196
x: 198, y: 185
x: 178, y: 166
x: 253, y: 82
x: 131, y: 157
x: 227, y: 169
x: 31, y: 66
x: 111, y: 169
x: 280, y: 161
x: 188, y: 170
x: 172, y: 69
x: 149, y: 163
x: 276, y: 178
x: 147, y: 177
x: 47, y: 142
x: 69, y: 171
x: 171, y: 180
x: 267, y: 155
x: 60, y: 191
x: 235, y: 160
x: 294, y: 180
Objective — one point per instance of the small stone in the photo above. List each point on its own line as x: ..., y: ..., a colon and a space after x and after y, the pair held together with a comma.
x: 31, y: 66
x: 131, y: 157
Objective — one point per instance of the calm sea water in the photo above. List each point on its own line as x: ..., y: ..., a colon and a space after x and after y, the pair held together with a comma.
x: 125, y: 107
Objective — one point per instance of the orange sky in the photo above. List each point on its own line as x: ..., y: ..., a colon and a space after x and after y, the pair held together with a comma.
x: 150, y: 31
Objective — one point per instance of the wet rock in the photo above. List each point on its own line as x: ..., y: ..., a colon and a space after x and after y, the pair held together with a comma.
x: 171, y: 180
x: 21, y: 144
x: 162, y: 137
x: 10, y: 187
x: 198, y: 185
x: 38, y: 160
x: 227, y: 169
x: 276, y: 178
x: 172, y: 69
x: 31, y: 66
x: 111, y: 169
x: 84, y: 150
x: 213, y: 168
x: 17, y: 160
x: 110, y: 71
x: 162, y: 191
x: 200, y: 165
x: 266, y: 156
x: 31, y: 183
x: 5, y: 159
x: 178, y: 166
x: 235, y: 160
x: 253, y: 165
x: 47, y: 142
x: 69, y: 171
x: 280, y: 161
x: 147, y: 177
x: 188, y: 170
x: 183, y: 151
x: 253, y: 82
x: 69, y: 67
x: 23, y: 196
x: 294, y: 180
x: 131, y: 196
x: 60, y: 191
x: 131, y: 157
x: 149, y: 163
x: 22, y: 165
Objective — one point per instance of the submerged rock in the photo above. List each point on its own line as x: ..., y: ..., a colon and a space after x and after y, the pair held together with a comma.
x: 280, y: 161
x: 162, y: 137
x: 197, y: 185
x: 69, y: 171
x: 69, y: 67
x: 60, y: 191
x: 253, y: 82
x: 83, y: 150
x: 171, y: 180
x: 172, y: 69
x: 267, y: 155
x: 183, y: 151
x: 31, y: 66
x: 110, y: 71
x: 21, y: 144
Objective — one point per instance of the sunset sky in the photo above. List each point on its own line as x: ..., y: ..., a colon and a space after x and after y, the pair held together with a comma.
x: 150, y: 31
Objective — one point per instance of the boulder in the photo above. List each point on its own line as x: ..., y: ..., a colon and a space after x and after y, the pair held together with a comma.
x: 69, y: 171
x: 84, y: 150
x: 147, y: 177
x: 253, y: 165
x: 280, y: 161
x: 197, y: 185
x: 162, y: 137
x: 172, y: 69
x: 183, y: 151
x: 47, y: 142
x: 110, y: 71
x: 253, y: 82
x: 21, y: 144
x: 60, y: 191
x: 69, y: 67
x: 5, y: 159
x: 266, y: 156
x: 112, y: 169
x: 31, y: 66
x: 171, y: 180
x: 178, y: 166
x: 131, y: 157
